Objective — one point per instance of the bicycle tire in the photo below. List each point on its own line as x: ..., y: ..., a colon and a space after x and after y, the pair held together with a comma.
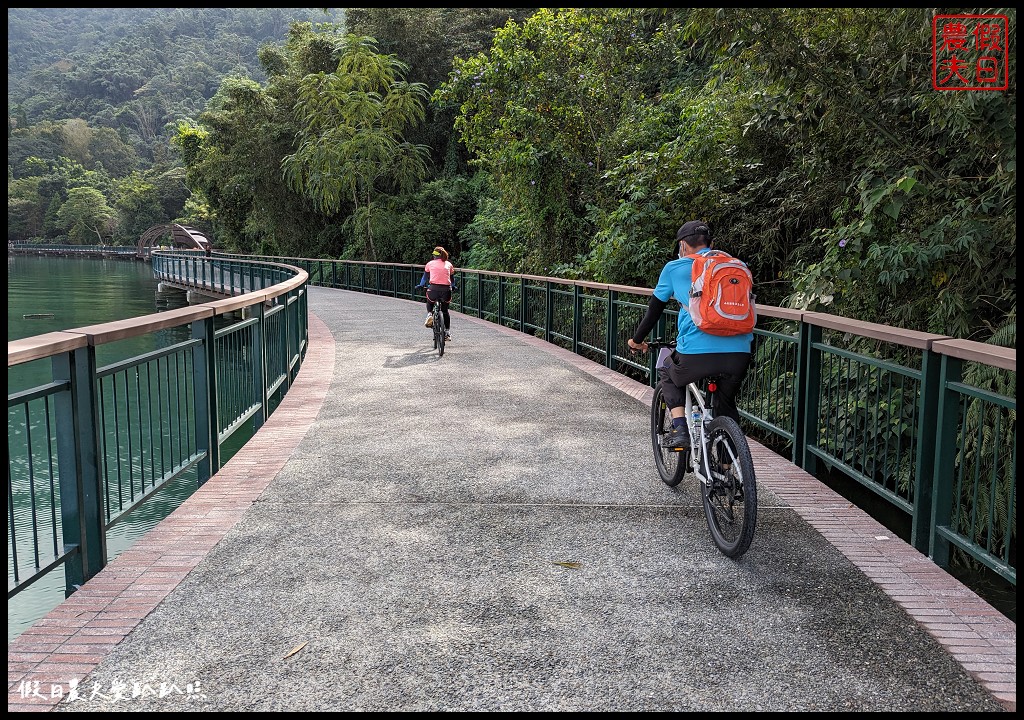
x: 439, y: 332
x: 672, y: 464
x: 730, y: 497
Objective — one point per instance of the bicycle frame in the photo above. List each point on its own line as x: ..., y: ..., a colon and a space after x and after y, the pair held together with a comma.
x: 718, y: 456
x: 698, y: 417
x: 439, y: 327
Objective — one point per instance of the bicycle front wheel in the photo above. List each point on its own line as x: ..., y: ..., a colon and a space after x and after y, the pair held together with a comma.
x: 730, y: 496
x: 672, y: 464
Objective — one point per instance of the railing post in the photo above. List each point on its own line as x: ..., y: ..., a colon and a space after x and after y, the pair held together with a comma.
x: 522, y: 304
x: 501, y: 299
x: 304, y: 320
x: 286, y: 320
x: 577, y: 318
x: 205, y: 374
x: 808, y: 397
x: 297, y: 326
x: 611, y: 341
x: 924, y: 471
x: 259, y: 365
x: 81, y: 496
x: 479, y: 294
x: 947, y: 424
x: 549, y: 310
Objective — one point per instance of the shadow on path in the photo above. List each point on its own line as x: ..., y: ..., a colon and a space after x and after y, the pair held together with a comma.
x: 486, y: 531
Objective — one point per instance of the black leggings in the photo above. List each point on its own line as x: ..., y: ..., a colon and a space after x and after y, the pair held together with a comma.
x: 729, y: 368
x: 443, y: 295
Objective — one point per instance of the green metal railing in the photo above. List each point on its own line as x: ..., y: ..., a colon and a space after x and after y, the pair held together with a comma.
x: 97, y: 441
x: 890, y: 409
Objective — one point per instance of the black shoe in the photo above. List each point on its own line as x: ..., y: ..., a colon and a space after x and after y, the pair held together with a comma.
x: 678, y: 438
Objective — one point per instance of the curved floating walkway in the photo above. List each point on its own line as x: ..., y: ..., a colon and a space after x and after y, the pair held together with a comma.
x: 486, y: 531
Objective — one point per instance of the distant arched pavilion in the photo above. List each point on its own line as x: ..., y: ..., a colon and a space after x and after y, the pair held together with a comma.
x: 182, y: 237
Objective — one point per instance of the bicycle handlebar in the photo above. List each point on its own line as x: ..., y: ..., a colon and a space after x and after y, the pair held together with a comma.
x: 656, y: 344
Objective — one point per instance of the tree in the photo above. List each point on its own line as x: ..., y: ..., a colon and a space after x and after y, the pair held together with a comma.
x: 428, y: 40
x: 351, y: 142
x: 107, y: 148
x: 24, y: 209
x: 84, y: 213
x: 77, y: 137
x: 902, y: 199
x: 540, y: 110
x: 138, y: 200
x: 230, y: 159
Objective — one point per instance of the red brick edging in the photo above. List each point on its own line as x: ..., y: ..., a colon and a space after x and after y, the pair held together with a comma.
x: 71, y: 640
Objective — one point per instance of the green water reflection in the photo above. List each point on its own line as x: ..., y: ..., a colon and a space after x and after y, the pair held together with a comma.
x: 50, y: 294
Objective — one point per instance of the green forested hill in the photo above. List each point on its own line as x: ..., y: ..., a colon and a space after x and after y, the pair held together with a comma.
x: 566, y: 142
x: 134, y: 69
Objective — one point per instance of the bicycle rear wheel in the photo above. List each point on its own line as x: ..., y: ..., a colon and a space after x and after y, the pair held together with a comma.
x: 730, y: 497
x: 439, y: 333
x: 672, y: 464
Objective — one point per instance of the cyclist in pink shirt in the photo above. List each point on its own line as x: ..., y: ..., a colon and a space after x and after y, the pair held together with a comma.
x: 438, y: 277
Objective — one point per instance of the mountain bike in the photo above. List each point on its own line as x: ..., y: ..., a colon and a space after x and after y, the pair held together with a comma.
x: 718, y: 456
x: 437, y: 316
x: 440, y: 331
x: 437, y: 323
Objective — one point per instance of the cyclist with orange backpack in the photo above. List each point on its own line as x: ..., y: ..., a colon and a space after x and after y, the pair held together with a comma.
x: 715, y: 325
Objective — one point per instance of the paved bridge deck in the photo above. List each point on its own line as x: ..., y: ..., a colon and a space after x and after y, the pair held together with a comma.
x: 487, y: 532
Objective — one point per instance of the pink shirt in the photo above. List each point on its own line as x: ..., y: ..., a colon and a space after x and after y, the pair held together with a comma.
x: 440, y: 271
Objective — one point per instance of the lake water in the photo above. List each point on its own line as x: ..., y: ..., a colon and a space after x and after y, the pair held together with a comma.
x: 68, y: 293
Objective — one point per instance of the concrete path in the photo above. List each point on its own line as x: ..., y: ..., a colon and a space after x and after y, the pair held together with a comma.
x: 486, y: 531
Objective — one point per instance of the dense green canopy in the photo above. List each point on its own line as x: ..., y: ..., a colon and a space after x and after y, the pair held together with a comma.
x: 568, y: 142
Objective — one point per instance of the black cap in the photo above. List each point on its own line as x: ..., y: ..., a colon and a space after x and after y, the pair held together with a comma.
x: 693, y: 227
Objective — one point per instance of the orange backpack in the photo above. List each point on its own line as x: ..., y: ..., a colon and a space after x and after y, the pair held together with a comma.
x: 722, y: 300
